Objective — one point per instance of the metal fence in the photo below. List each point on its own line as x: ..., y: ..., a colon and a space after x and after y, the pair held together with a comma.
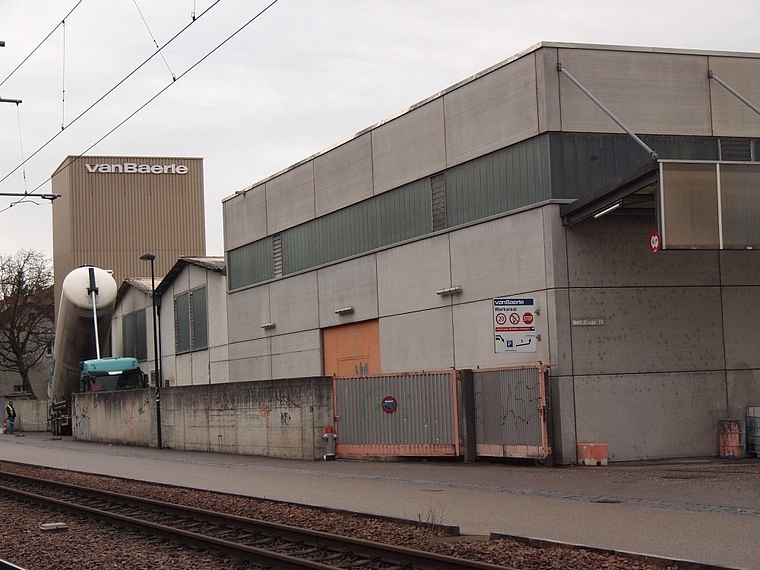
x: 510, y: 412
x: 410, y: 414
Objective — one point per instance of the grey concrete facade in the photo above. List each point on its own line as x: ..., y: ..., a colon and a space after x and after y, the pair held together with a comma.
x: 672, y: 344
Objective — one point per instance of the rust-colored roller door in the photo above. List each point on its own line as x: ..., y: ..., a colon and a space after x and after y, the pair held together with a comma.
x: 352, y: 349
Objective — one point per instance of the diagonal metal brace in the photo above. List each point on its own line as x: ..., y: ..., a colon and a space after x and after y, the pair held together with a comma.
x: 562, y: 69
x: 733, y: 91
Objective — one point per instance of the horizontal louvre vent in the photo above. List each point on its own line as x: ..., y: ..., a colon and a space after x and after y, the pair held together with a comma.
x: 277, y: 254
x: 735, y: 150
x: 438, y: 202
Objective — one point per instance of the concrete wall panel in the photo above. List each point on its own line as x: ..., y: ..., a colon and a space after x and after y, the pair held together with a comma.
x: 555, y: 247
x: 549, y: 118
x: 491, y: 112
x: 613, y: 251
x: 408, y: 276
x: 274, y: 418
x: 409, y: 147
x: 651, y: 416
x: 290, y: 198
x: 743, y: 387
x: 561, y: 403
x: 474, y: 337
x: 245, y: 217
x: 739, y: 267
x: 297, y: 355
x: 731, y: 117
x: 660, y: 93
x: 646, y: 330
x: 217, y: 310
x: 251, y: 360
x: 247, y: 310
x: 200, y: 365
x: 349, y: 284
x: 126, y: 417
x: 417, y: 341
x: 741, y: 322
x: 183, y: 369
x: 509, y: 260
x: 294, y: 304
x: 343, y: 175
x: 560, y: 335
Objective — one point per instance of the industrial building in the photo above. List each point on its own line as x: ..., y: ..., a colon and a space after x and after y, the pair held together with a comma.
x: 192, y: 313
x: 112, y: 210
x: 519, y: 217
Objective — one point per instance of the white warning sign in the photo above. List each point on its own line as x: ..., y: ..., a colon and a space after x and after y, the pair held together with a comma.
x: 514, y: 324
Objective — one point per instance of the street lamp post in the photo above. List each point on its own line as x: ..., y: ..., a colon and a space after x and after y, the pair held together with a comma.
x: 150, y: 257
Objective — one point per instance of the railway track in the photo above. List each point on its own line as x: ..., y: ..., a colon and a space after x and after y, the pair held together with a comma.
x: 267, y: 545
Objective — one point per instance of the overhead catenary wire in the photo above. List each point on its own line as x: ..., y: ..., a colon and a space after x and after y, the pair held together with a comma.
x: 63, y: 79
x: 151, y: 99
x: 23, y: 61
x: 106, y: 94
x: 174, y: 78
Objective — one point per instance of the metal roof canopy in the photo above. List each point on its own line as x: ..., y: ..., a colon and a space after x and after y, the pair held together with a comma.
x: 635, y: 190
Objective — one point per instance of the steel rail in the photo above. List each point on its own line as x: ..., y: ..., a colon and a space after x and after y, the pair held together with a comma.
x: 326, y: 545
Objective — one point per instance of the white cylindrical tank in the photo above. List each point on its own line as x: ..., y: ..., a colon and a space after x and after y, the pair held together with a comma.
x: 75, y: 327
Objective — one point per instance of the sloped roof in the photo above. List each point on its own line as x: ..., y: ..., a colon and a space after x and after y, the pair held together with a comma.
x: 211, y: 263
x: 142, y: 284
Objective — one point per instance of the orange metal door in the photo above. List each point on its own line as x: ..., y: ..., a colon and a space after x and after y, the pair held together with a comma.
x: 353, y: 349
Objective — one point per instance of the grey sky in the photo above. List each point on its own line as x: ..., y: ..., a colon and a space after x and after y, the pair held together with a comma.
x: 305, y: 75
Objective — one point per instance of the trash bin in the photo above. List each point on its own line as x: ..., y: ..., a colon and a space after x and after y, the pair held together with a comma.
x: 753, y: 431
x: 730, y: 438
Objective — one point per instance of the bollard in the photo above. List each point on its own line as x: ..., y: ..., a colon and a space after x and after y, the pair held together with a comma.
x: 330, y: 436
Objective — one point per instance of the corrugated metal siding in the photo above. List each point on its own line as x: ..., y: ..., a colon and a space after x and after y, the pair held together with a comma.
x: 511, y: 178
x: 585, y: 163
x: 251, y: 263
x: 508, y: 407
x: 425, y: 413
x: 389, y: 218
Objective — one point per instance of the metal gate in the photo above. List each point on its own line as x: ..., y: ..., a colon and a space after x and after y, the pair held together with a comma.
x: 409, y: 414
x: 510, y: 412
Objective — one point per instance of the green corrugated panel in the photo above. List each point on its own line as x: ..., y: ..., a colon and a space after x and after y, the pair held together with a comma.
x: 499, y: 182
x: 388, y: 218
x: 251, y: 263
x: 584, y: 163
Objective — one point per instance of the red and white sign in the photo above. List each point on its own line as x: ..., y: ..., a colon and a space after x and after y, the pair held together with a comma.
x: 655, y: 242
x: 514, y: 324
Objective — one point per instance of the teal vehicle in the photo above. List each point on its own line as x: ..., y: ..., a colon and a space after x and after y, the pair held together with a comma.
x: 108, y: 374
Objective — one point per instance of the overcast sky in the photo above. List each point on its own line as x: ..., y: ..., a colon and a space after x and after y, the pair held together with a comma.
x: 303, y: 76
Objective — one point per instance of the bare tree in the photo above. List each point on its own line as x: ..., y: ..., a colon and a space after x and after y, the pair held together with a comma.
x: 27, y: 324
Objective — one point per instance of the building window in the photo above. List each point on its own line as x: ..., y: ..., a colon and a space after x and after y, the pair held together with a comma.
x: 135, y: 335
x: 191, y: 320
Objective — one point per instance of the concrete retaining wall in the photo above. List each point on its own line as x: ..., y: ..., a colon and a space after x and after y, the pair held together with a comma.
x: 125, y: 417
x: 278, y: 418
x: 31, y: 415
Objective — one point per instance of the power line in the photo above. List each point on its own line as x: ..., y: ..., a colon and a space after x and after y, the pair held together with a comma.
x: 154, y: 97
x: 40, y: 44
x: 154, y: 40
x: 106, y: 94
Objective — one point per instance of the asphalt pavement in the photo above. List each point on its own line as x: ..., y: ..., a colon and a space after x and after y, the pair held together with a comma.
x: 703, y: 510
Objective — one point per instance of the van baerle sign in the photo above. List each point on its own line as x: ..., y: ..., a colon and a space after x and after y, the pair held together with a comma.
x: 134, y: 168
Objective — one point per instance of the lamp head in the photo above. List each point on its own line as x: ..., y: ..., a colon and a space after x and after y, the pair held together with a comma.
x: 147, y: 257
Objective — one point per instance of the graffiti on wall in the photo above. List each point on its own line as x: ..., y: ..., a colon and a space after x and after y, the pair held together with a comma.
x: 82, y: 423
x: 276, y: 399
